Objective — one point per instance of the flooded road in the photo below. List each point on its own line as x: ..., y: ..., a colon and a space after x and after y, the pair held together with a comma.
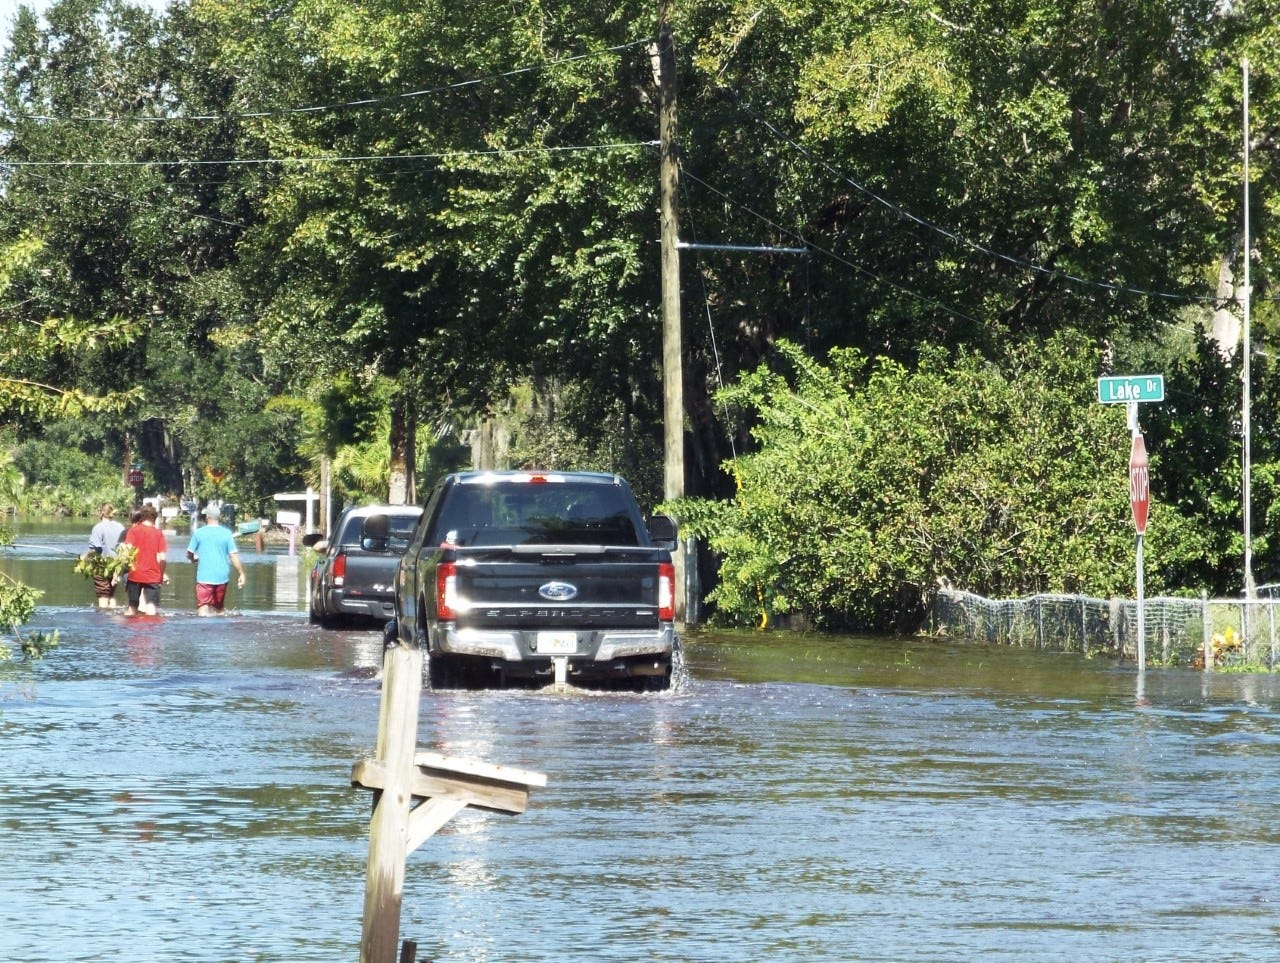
x: 178, y: 788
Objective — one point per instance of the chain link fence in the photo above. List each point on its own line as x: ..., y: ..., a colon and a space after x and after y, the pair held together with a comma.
x: 1201, y: 633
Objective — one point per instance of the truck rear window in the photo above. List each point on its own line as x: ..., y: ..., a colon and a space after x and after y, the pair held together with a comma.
x: 531, y: 514
x: 401, y: 534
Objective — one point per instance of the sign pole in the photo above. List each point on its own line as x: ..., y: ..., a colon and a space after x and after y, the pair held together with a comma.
x: 1140, y: 503
x: 1142, y: 622
x: 1129, y: 390
x: 1136, y: 434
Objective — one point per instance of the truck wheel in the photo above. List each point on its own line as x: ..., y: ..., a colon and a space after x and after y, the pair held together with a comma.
x: 420, y: 634
x: 440, y: 674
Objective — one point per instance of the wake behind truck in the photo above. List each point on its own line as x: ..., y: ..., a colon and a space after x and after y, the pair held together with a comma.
x: 538, y: 577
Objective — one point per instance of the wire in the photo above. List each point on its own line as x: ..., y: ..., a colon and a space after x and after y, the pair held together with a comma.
x: 328, y: 159
x: 828, y: 253
x: 185, y: 212
x: 974, y: 245
x: 338, y: 105
x: 715, y: 347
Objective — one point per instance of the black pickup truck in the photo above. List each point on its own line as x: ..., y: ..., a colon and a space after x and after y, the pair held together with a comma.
x: 538, y: 577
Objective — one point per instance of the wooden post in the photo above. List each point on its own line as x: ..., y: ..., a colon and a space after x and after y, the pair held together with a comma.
x: 392, y: 800
x: 414, y: 794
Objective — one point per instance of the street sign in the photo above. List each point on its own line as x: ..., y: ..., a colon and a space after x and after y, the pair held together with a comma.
x: 1120, y: 390
x: 135, y: 478
x: 1139, y: 484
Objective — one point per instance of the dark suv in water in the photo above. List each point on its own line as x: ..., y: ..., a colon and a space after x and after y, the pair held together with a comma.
x: 354, y: 578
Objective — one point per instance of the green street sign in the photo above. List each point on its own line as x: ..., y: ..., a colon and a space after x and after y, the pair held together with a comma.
x: 1121, y: 390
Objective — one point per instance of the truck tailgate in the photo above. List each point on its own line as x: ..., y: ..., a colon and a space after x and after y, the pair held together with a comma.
x: 557, y: 587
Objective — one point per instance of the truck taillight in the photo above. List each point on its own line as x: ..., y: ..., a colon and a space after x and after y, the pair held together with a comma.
x: 339, y: 569
x: 446, y: 591
x: 666, y: 592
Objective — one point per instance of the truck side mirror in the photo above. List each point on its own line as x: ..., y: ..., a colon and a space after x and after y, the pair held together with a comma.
x: 375, y: 533
x: 662, y: 532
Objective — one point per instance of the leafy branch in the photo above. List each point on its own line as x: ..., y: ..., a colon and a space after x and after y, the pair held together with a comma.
x: 17, y: 604
x: 36, y: 398
x: 101, y: 565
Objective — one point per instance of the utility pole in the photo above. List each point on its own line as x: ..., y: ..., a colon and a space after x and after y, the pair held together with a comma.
x: 672, y: 346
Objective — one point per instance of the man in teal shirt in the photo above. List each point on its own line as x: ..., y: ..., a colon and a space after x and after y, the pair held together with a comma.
x: 214, y: 551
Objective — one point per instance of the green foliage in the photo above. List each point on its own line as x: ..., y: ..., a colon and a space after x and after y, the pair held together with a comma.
x: 223, y: 420
x: 571, y: 427
x: 35, y: 645
x: 63, y: 469
x: 873, y: 483
x: 12, y: 484
x: 49, y: 344
x: 17, y: 603
x: 52, y: 461
x: 973, y: 179
x: 142, y: 253
x: 493, y: 255
x: 100, y: 565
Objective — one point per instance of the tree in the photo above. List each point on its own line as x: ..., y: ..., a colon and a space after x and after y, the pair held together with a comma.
x: 472, y: 243
x: 116, y: 134
x: 873, y: 484
x: 454, y: 200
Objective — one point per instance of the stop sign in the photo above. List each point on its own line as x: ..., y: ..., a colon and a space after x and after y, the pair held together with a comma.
x: 135, y: 478
x: 1139, y: 484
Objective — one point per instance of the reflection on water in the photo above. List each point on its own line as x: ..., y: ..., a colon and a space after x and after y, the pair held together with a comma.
x: 288, y: 586
x: 178, y: 788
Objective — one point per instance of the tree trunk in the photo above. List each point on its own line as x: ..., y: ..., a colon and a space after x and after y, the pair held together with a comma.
x: 402, y: 482
x: 1227, y: 326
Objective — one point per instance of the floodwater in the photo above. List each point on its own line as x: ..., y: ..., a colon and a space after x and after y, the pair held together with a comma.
x: 178, y: 788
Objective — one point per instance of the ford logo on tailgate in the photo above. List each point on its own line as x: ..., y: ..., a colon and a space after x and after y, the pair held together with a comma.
x: 558, y: 591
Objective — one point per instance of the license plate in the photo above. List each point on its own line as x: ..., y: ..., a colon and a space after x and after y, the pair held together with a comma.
x: 557, y: 643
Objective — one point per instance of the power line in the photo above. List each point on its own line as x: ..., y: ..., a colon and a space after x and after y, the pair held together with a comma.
x: 329, y: 159
x: 685, y: 172
x: 337, y: 105
x: 965, y: 242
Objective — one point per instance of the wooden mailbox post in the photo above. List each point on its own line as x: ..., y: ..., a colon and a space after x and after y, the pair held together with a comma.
x: 414, y: 794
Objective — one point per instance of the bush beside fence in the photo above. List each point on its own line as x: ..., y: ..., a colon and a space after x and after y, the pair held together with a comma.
x: 1204, y: 632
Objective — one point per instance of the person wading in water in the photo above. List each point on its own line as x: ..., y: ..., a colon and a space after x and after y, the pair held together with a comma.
x: 103, y: 539
x: 213, y: 549
x: 147, y: 575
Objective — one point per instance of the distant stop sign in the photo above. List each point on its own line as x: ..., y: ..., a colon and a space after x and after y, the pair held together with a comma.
x: 1139, y: 484
x: 135, y: 478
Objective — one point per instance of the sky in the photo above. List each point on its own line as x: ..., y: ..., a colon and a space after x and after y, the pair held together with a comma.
x: 9, y: 9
